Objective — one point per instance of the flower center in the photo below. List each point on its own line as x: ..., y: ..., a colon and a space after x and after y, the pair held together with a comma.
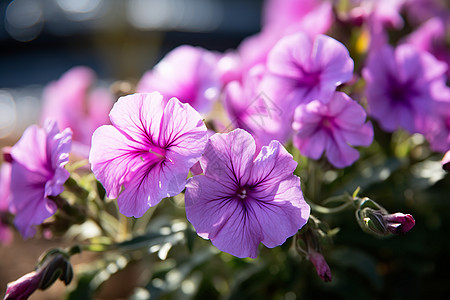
x: 242, y: 193
x: 158, y: 152
x: 153, y: 155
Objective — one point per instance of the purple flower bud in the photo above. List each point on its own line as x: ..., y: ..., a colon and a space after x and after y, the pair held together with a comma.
x: 23, y: 287
x: 319, y: 262
x: 55, y: 265
x: 376, y: 220
x: 399, y: 223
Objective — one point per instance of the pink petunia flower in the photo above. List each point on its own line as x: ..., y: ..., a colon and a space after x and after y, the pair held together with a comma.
x: 187, y: 73
x: 430, y: 37
x: 37, y: 172
x: 74, y: 102
x: 241, y: 200
x: 147, y: 151
x: 437, y: 125
x: 332, y: 128
x: 5, y: 199
x: 289, y: 16
x: 301, y: 69
x: 400, y: 86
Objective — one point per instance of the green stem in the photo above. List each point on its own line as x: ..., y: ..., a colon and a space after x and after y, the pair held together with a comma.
x: 329, y: 210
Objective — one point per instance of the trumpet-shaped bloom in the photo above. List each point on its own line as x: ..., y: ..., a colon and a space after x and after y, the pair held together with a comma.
x: 302, y: 69
x: 332, y: 128
x: 72, y: 103
x: 187, y: 73
x: 241, y: 200
x: 400, y: 86
x: 37, y: 172
x: 147, y: 151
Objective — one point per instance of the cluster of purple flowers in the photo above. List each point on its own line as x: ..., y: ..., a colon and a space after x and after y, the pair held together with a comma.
x: 284, y: 84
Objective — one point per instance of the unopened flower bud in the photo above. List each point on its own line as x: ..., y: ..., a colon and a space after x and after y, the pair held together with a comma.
x: 54, y: 265
x: 313, y: 252
x: 376, y: 220
x: 23, y: 287
x: 57, y: 267
x: 322, y: 268
x: 399, y: 223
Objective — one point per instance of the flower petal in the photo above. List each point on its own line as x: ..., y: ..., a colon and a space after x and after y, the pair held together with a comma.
x: 138, y: 116
x: 218, y: 217
x: 229, y: 156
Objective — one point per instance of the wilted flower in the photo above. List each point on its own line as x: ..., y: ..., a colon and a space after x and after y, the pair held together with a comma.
x: 332, y: 128
x: 400, y: 86
x: 187, y: 73
x: 147, y: 151
x: 37, y: 172
x: 74, y: 103
x: 242, y: 201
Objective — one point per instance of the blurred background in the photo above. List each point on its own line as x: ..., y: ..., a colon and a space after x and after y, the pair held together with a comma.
x: 118, y: 39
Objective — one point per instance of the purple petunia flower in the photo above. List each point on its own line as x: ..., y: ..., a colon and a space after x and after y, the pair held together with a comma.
x: 147, y: 151
x: 242, y: 200
x: 430, y: 37
x: 400, y: 86
x: 187, y: 73
x: 73, y: 102
x: 301, y: 69
x: 37, y: 172
x: 332, y: 128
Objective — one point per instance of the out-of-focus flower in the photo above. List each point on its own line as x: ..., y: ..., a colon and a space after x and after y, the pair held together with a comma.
x: 332, y: 128
x: 419, y: 11
x: 5, y: 199
x: 446, y: 161
x: 241, y: 200
x: 23, y: 287
x: 250, y: 109
x: 74, y: 103
x: 400, y: 86
x: 188, y: 73
x: 430, y: 37
x: 280, y: 18
x: 302, y: 69
x: 53, y: 267
x: 377, y: 16
x: 375, y: 219
x: 147, y: 151
x: 289, y: 16
x: 37, y: 172
x: 437, y: 125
